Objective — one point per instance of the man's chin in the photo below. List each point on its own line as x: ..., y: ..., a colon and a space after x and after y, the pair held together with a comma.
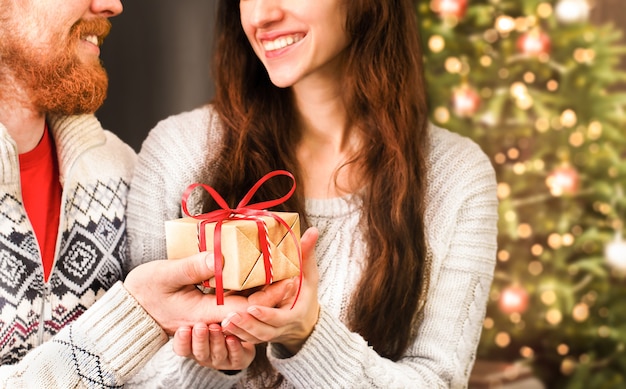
x: 79, y: 92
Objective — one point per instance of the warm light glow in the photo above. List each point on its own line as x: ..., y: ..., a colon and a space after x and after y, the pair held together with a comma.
x: 567, y: 239
x: 486, y: 61
x: 563, y: 180
x: 535, y: 268
x: 524, y: 230
x: 442, y: 115
x: 554, y: 241
x: 544, y: 10
x: 519, y: 168
x: 436, y: 43
x: 604, y: 331
x: 576, y: 139
x: 513, y: 299
x: 548, y: 297
x: 572, y: 11
x: 554, y: 316
x: 569, y: 118
x: 615, y: 253
x: 568, y: 366
x: 453, y: 65
x: 526, y: 352
x: 505, y: 24
x: 504, y: 190
x: 529, y: 77
x: 585, y: 56
x: 552, y: 85
x: 502, y: 339
x: 594, y: 131
x: 580, y: 312
x: 542, y: 124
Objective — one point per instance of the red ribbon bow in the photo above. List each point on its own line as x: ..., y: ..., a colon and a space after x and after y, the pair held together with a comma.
x: 243, y: 211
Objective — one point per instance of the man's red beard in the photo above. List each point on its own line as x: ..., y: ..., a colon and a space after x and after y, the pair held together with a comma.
x: 60, y: 83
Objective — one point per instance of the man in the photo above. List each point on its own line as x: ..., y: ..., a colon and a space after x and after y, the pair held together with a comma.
x: 63, y: 187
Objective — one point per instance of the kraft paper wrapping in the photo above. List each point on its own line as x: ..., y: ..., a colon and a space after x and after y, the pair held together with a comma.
x: 243, y: 266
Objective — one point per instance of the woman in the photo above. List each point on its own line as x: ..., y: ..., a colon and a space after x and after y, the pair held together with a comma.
x: 332, y: 91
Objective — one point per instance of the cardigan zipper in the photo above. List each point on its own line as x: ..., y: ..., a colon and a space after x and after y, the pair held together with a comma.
x: 46, y: 312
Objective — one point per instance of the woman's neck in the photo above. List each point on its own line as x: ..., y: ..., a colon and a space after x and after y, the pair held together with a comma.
x: 326, y: 144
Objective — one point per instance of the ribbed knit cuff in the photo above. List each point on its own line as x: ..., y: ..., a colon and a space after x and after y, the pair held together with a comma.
x: 125, y: 336
x: 326, y: 359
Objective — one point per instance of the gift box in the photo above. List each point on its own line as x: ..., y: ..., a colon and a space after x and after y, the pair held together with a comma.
x: 243, y: 264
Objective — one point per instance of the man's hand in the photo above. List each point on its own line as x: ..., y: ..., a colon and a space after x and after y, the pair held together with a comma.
x: 166, y: 290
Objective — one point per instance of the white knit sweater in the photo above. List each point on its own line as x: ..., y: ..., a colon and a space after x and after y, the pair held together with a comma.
x: 460, y: 222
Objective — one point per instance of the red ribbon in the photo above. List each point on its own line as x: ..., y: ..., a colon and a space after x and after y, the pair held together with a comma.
x: 243, y: 211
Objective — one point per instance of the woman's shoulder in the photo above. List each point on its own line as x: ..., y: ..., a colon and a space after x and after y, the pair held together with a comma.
x: 197, y: 126
x: 455, y: 154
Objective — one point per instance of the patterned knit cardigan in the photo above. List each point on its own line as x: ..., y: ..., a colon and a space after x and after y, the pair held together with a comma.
x: 95, y: 171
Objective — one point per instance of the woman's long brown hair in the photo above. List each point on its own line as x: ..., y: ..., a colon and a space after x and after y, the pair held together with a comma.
x: 385, y: 99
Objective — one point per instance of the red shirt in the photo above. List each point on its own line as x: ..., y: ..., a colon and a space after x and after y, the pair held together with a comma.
x: 41, y: 193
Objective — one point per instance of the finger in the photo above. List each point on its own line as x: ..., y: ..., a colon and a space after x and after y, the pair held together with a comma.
x: 307, y: 242
x: 235, y: 351
x: 219, y: 352
x: 191, y: 270
x: 200, y: 342
x: 182, y: 342
x: 273, y: 294
x: 245, y: 327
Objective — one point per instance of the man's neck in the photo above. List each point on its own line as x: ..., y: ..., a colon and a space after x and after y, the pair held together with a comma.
x: 24, y: 124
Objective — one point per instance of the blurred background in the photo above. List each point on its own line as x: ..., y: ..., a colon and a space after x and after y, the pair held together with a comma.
x: 540, y: 85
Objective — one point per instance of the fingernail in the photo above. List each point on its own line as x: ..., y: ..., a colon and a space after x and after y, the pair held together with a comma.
x: 254, y: 311
x: 200, y: 329
x: 228, y: 319
x: 183, y: 332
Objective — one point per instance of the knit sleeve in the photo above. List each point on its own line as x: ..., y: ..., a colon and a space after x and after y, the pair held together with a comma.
x: 461, y: 222
x: 97, y: 350
x: 173, y: 156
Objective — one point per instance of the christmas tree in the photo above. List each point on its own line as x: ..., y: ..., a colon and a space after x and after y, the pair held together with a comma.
x: 533, y: 82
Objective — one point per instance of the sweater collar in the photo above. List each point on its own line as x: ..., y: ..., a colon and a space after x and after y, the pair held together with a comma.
x: 72, y: 134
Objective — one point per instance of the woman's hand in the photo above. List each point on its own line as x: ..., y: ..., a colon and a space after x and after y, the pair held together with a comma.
x: 210, y: 347
x: 282, y: 324
x: 166, y: 290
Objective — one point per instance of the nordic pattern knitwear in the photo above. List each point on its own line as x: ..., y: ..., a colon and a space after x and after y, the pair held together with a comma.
x: 461, y: 229
x: 91, y: 256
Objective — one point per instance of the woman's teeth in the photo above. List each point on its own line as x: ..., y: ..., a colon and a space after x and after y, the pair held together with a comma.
x: 282, y: 42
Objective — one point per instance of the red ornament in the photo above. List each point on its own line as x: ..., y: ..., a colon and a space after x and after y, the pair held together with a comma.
x: 449, y: 8
x: 564, y: 180
x: 465, y: 101
x: 535, y: 42
x: 513, y: 299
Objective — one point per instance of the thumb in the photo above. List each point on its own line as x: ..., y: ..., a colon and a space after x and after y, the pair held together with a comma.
x: 307, y: 244
x: 192, y: 270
